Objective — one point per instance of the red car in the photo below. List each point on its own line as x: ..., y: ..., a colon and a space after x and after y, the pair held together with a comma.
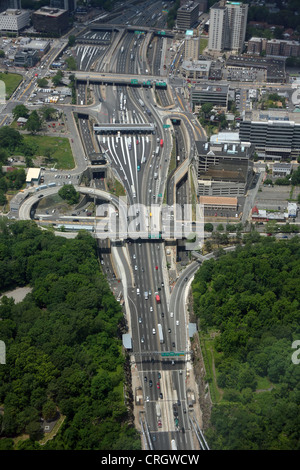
x: 158, y: 386
x: 156, y: 267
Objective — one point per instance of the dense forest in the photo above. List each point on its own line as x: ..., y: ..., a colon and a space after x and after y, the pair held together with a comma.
x: 63, y: 345
x: 247, y: 303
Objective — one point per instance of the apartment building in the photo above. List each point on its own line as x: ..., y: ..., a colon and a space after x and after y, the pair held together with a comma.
x: 273, y: 47
x: 191, y: 48
x: 227, y: 26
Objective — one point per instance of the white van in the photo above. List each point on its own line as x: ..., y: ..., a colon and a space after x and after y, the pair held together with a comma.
x: 138, y: 292
x: 172, y: 314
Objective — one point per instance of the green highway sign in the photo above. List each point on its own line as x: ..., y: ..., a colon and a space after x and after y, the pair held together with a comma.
x: 154, y: 235
x: 172, y: 353
x: 166, y: 126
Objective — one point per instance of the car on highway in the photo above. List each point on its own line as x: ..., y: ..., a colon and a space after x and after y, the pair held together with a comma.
x: 151, y: 309
x: 160, y: 395
x: 150, y: 383
x: 147, y: 399
x: 158, y: 386
x: 140, y: 320
x: 153, y: 331
x: 145, y: 379
x: 142, y: 339
x: 135, y: 267
x: 177, y: 322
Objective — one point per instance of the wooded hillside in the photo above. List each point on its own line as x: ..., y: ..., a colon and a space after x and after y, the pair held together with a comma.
x: 247, y: 303
x: 63, y: 344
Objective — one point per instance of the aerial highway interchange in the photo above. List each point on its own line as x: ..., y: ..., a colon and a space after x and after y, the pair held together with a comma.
x: 134, y: 97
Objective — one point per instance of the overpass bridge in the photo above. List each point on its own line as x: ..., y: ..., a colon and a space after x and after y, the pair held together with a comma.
x: 121, y: 79
x: 131, y: 29
x: 104, y: 128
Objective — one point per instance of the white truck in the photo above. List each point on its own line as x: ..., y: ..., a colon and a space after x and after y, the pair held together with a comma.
x: 160, y: 332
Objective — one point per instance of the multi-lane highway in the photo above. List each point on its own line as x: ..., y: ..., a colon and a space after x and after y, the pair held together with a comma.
x: 140, y: 161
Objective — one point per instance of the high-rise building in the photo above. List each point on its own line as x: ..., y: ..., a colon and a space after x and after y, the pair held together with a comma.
x: 14, y: 20
x: 192, y: 48
x: 227, y: 26
x: 187, y: 15
x: 222, y: 169
x: 69, y: 5
x: 217, y: 27
x: 48, y: 20
x: 273, y: 134
x: 10, y: 4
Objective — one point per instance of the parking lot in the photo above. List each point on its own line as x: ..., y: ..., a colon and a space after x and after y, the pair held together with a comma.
x: 50, y: 96
x: 276, y: 198
x: 272, y: 197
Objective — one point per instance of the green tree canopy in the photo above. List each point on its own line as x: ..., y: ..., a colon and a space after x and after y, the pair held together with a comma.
x: 34, y: 123
x: 69, y: 193
x: 20, y: 111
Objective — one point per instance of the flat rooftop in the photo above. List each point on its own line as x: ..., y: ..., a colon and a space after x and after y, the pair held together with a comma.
x: 189, y: 6
x: 231, y: 149
x: 205, y: 88
x: 52, y: 12
x: 197, y: 65
x: 13, y: 12
x: 275, y: 116
x: 218, y: 201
